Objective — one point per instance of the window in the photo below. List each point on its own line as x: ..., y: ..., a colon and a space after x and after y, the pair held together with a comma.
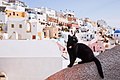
x: 94, y: 48
x: 55, y: 34
x: 29, y: 12
x: 23, y: 14
x: 13, y: 13
x: 34, y: 37
x: 28, y: 27
x: 1, y: 28
x: 117, y: 35
x: 20, y: 26
x: 40, y: 13
x: 33, y: 17
x: 91, y: 36
x: 42, y: 23
x: 45, y: 34
x: 12, y: 25
x: 29, y: 17
x: 95, y: 32
x: 33, y: 25
x: 111, y: 34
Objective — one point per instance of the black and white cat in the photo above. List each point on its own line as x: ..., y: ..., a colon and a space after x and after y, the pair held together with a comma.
x: 82, y: 51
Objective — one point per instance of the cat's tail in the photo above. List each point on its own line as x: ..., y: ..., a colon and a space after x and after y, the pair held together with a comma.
x: 99, y: 67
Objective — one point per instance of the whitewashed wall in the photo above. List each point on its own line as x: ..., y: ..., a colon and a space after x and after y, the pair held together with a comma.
x: 3, y: 17
x: 20, y: 31
x: 29, y: 60
x: 0, y: 2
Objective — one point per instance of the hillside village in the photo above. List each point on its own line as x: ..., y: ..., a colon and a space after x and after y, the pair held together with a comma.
x: 33, y: 39
x: 20, y: 22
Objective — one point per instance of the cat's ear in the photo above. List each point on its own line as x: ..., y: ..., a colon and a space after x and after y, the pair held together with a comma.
x: 69, y: 36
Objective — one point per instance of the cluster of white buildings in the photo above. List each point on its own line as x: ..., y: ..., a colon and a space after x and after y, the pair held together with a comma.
x: 20, y: 22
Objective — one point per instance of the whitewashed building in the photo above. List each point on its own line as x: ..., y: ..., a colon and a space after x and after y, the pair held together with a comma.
x: 62, y: 20
x: 117, y: 35
x: 4, y: 3
x: 101, y: 23
x: 52, y: 19
x: 3, y: 19
x: 87, y: 36
x: 17, y: 27
x: 37, y: 22
x: 16, y: 22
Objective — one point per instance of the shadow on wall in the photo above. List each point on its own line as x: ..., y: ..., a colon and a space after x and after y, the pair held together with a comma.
x: 110, y: 61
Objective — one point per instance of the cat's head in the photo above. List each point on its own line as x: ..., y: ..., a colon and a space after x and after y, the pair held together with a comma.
x: 72, y: 40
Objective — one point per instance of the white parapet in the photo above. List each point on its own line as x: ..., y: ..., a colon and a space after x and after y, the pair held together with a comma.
x: 29, y: 60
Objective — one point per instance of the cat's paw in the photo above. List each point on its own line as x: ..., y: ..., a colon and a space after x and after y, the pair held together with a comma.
x: 69, y: 66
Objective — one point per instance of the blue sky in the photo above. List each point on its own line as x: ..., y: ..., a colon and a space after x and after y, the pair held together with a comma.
x: 108, y: 10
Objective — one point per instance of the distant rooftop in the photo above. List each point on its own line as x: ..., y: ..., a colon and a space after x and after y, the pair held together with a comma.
x: 117, y: 31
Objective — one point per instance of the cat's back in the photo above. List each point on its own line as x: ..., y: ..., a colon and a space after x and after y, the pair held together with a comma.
x: 84, y: 52
x: 84, y: 47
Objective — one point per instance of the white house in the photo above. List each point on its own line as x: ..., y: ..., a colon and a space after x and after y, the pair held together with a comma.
x: 84, y: 29
x: 17, y: 27
x: 17, y: 2
x: 3, y: 16
x: 87, y: 36
x: 36, y: 23
x: 16, y: 22
x: 117, y: 35
x: 6, y: 10
x: 80, y: 22
x: 4, y: 3
x: 69, y: 13
x: 34, y: 29
x: 49, y: 12
x: 52, y: 18
x: 31, y: 14
x: 41, y: 16
x: 110, y: 32
x: 3, y: 19
x: 62, y: 20
x: 101, y: 23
